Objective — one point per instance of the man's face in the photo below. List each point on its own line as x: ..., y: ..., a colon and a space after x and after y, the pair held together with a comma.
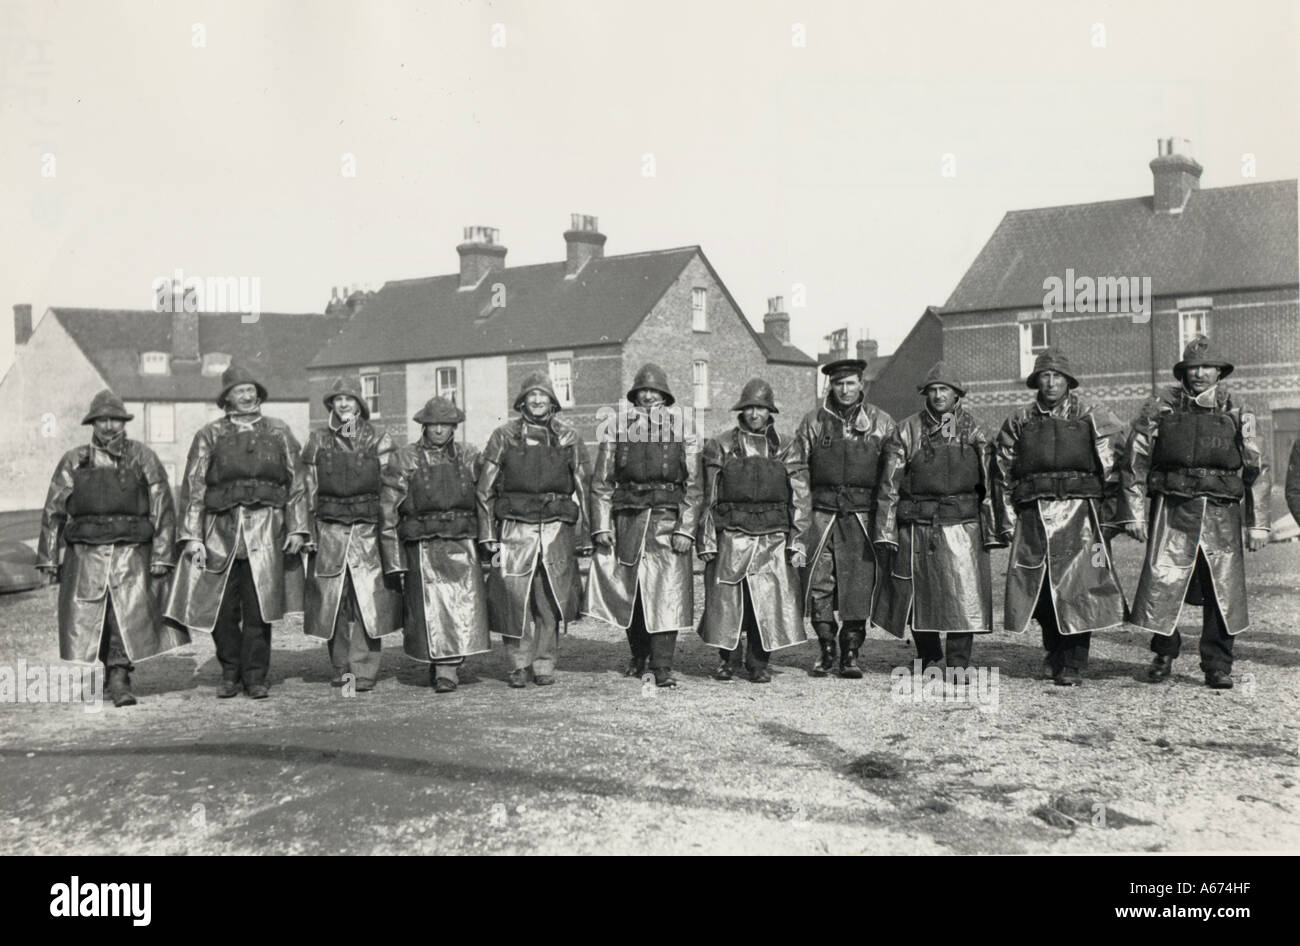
x: 940, y: 398
x: 243, y: 397
x: 439, y: 434
x: 107, y: 426
x: 1052, y: 386
x: 1201, y: 378
x: 346, y: 406
x: 755, y: 418
x: 538, y: 404
x: 648, y: 400
x: 846, y: 388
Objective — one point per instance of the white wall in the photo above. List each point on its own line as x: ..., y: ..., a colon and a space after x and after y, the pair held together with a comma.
x: 481, y: 382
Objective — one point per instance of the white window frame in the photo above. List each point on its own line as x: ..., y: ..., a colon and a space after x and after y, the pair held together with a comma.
x: 563, y: 385
x: 699, y: 309
x: 442, y: 389
x: 155, y: 362
x: 1029, y: 352
x: 700, y: 382
x: 214, y: 364
x: 1186, y: 334
x: 160, y: 409
x: 372, y: 390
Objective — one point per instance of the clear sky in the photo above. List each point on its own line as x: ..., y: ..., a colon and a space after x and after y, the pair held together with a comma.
x: 212, y: 136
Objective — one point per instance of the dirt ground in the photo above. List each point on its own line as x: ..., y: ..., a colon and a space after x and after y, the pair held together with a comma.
x: 599, y: 764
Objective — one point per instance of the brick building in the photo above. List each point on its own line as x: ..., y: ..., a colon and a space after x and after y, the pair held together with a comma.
x: 1221, y: 261
x: 166, y: 367
x: 589, y: 320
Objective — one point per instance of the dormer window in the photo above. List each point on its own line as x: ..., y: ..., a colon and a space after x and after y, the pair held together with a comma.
x: 214, y: 364
x: 154, y: 362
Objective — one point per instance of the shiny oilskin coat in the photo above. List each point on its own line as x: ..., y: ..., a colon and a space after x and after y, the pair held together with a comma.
x: 941, y: 575
x: 92, y: 574
x: 855, y: 577
x: 1061, y: 535
x: 347, y: 547
x: 525, y: 544
x: 446, y: 602
x: 642, y: 556
x: 1177, y: 530
x: 757, y: 560
x: 196, y: 593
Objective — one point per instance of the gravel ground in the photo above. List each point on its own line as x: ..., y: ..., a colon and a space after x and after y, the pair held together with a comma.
x: 599, y: 764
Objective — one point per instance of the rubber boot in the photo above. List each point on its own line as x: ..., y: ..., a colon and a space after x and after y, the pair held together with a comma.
x: 826, y: 631
x: 851, y: 638
x: 119, y: 687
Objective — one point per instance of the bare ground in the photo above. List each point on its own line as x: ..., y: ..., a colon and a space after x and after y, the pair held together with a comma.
x: 597, y: 764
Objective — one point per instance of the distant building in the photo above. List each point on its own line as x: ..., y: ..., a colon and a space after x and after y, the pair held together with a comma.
x: 589, y: 320
x: 166, y: 367
x: 1224, y: 262
x: 891, y: 386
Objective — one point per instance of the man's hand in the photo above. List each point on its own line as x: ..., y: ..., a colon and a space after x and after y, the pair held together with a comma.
x: 885, y: 548
x: 396, y: 581
x: 293, y: 544
x: 490, y: 552
x: 603, y: 540
x: 1006, y: 538
x: 50, y: 573
x: 681, y: 544
x: 797, y: 558
x: 197, y: 552
x: 1257, y: 540
x: 158, y: 569
x: 707, y: 557
x: 1137, y: 531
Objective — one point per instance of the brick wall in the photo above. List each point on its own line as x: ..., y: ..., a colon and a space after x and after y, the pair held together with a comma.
x: 894, y: 391
x: 597, y: 381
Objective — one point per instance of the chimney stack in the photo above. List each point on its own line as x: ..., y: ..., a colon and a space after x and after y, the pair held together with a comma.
x: 777, y: 323
x: 583, y: 241
x: 356, y: 300
x: 479, y: 255
x: 22, y: 323
x: 1176, y: 175
x: 867, y: 349
x: 185, y: 334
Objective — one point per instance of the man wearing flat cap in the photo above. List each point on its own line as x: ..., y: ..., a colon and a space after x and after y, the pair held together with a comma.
x: 1054, y: 457
x: 843, y: 441
x: 532, y: 498
x: 243, y: 509
x: 430, y: 528
x: 1192, y: 476
x: 753, y: 518
x: 349, y: 602
x: 109, y: 510
x: 645, y: 499
x: 937, y: 520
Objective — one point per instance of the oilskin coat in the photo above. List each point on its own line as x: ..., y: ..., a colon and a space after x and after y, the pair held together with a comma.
x: 196, y: 592
x: 537, y: 529
x: 1058, y: 538
x: 752, y: 554
x: 644, y: 490
x: 1195, y: 489
x: 347, y: 548
x: 117, y: 571
x: 446, y: 602
x: 937, y: 506
x: 824, y: 430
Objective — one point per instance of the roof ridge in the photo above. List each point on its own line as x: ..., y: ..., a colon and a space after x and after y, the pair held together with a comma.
x: 617, y: 256
x: 1147, y: 197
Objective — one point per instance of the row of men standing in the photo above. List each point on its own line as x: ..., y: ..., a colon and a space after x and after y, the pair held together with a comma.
x: 855, y: 518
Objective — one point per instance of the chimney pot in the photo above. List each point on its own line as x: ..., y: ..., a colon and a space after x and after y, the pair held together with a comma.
x: 22, y: 322
x: 185, y: 336
x: 480, y: 254
x: 867, y: 349
x: 583, y: 243
x: 776, y: 322
x: 1175, y: 175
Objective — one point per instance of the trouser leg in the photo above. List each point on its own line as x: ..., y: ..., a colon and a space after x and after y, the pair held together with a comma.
x: 757, y: 657
x: 364, y: 652
x: 959, y: 647
x: 1216, y: 642
x: 112, y: 649
x: 226, y: 633
x: 928, y: 647
x: 255, y: 642
x: 662, y: 646
x: 637, y: 638
x: 1167, y: 646
x: 448, y: 668
x: 546, y: 619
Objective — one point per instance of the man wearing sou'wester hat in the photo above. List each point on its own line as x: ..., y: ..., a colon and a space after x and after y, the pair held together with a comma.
x: 1194, y: 455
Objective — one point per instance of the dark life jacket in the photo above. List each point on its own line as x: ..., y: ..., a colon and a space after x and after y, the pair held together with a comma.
x: 942, y: 484
x: 537, y: 484
x: 843, y: 473
x: 1056, y: 460
x: 347, y: 485
x: 649, y: 475
x: 439, y: 503
x: 108, y: 504
x: 247, y: 468
x: 753, y: 496
x: 1196, y: 454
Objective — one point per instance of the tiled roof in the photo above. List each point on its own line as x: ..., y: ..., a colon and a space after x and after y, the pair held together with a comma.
x: 781, y: 353
x: 876, y: 366
x: 431, y: 318
x: 277, y: 347
x: 1226, y: 238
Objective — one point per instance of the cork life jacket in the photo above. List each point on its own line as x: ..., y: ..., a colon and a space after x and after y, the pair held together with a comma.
x: 439, y: 503
x: 753, y: 496
x: 247, y: 468
x: 347, y: 485
x: 537, y: 484
x: 109, y: 504
x: 1056, y: 460
x: 843, y: 473
x: 942, y: 484
x: 649, y: 475
x: 1196, y: 454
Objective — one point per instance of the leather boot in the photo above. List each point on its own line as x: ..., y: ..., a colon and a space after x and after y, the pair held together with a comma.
x: 852, y: 640
x: 826, y: 631
x: 119, y: 687
x: 1160, y: 669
